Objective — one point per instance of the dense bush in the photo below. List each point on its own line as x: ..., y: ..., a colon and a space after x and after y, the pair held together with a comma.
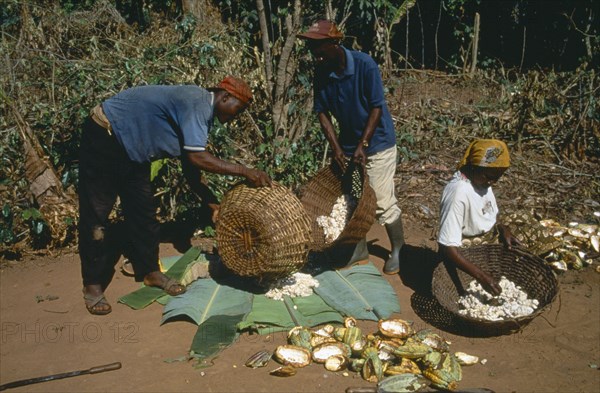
x: 63, y: 61
x: 62, y: 58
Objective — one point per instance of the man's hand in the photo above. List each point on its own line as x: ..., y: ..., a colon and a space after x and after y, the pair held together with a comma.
x: 207, y: 162
x: 360, y: 157
x: 339, y: 158
x: 257, y: 177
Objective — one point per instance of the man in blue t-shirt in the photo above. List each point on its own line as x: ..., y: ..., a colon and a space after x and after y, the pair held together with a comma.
x: 119, y: 140
x: 348, y: 86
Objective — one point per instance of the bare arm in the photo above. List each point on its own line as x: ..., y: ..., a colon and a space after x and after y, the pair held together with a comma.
x: 194, y: 179
x: 452, y: 255
x: 329, y: 131
x: 374, y: 117
x: 207, y: 162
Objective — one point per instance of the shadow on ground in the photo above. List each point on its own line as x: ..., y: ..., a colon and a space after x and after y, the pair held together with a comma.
x: 178, y: 233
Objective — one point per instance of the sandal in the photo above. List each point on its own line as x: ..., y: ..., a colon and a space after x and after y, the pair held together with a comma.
x: 127, y: 268
x: 92, y: 304
x: 168, y: 284
x: 173, y: 287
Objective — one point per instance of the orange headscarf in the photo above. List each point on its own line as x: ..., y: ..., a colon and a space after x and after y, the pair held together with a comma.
x: 237, y: 88
x: 490, y: 153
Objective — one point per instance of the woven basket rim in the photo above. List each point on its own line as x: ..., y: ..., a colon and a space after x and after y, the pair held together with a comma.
x: 440, y: 273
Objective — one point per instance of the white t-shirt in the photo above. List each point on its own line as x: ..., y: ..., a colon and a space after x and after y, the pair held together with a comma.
x: 465, y: 211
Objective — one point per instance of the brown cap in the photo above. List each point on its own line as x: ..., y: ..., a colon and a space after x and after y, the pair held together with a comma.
x: 237, y: 88
x: 322, y: 29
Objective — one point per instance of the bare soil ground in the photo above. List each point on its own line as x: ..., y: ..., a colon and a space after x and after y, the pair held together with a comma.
x: 45, y: 328
x: 554, y: 353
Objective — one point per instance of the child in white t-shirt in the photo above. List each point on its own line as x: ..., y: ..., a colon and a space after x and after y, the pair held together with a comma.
x: 468, y: 206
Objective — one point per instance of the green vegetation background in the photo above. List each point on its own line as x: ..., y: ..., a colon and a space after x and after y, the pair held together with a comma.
x: 61, y: 58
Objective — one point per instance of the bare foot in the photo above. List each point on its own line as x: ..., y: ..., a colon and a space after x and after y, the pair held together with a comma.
x: 160, y: 280
x: 95, y: 302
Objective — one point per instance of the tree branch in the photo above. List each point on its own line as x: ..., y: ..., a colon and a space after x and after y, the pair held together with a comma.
x: 268, y: 59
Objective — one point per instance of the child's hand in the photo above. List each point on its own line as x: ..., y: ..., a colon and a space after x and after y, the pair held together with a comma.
x: 507, y: 238
x: 489, y: 284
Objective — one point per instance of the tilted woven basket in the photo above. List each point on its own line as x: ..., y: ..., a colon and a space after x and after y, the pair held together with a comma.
x: 319, y: 195
x: 262, y: 232
x: 517, y: 265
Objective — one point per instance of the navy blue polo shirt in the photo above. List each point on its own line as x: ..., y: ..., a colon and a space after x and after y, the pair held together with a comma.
x: 350, y: 97
x: 154, y: 122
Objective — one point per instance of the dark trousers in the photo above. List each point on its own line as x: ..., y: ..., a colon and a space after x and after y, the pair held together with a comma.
x: 106, y: 172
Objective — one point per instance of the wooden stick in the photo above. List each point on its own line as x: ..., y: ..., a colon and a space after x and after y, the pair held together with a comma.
x: 523, y: 50
x: 437, y: 28
x: 93, y: 370
x: 574, y: 172
x: 475, y: 45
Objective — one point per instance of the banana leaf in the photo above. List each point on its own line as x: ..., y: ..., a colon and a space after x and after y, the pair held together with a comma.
x: 206, y: 298
x: 145, y: 296
x: 215, y: 334
x: 216, y: 308
x: 360, y: 292
x: 269, y: 315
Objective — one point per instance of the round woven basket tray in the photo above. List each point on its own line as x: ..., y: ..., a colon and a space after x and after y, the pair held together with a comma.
x: 524, y: 269
x: 262, y: 232
x: 320, y: 194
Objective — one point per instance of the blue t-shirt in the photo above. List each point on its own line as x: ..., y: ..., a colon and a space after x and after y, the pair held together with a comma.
x: 154, y: 122
x: 350, y: 97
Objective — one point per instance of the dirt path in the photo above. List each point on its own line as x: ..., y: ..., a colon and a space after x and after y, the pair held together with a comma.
x: 558, y: 352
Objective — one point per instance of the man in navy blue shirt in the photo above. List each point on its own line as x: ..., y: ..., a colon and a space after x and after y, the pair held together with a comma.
x: 348, y: 87
x: 119, y: 141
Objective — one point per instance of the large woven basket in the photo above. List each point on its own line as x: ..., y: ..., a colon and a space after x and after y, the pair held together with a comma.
x: 320, y: 194
x: 262, y: 232
x: 521, y: 267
